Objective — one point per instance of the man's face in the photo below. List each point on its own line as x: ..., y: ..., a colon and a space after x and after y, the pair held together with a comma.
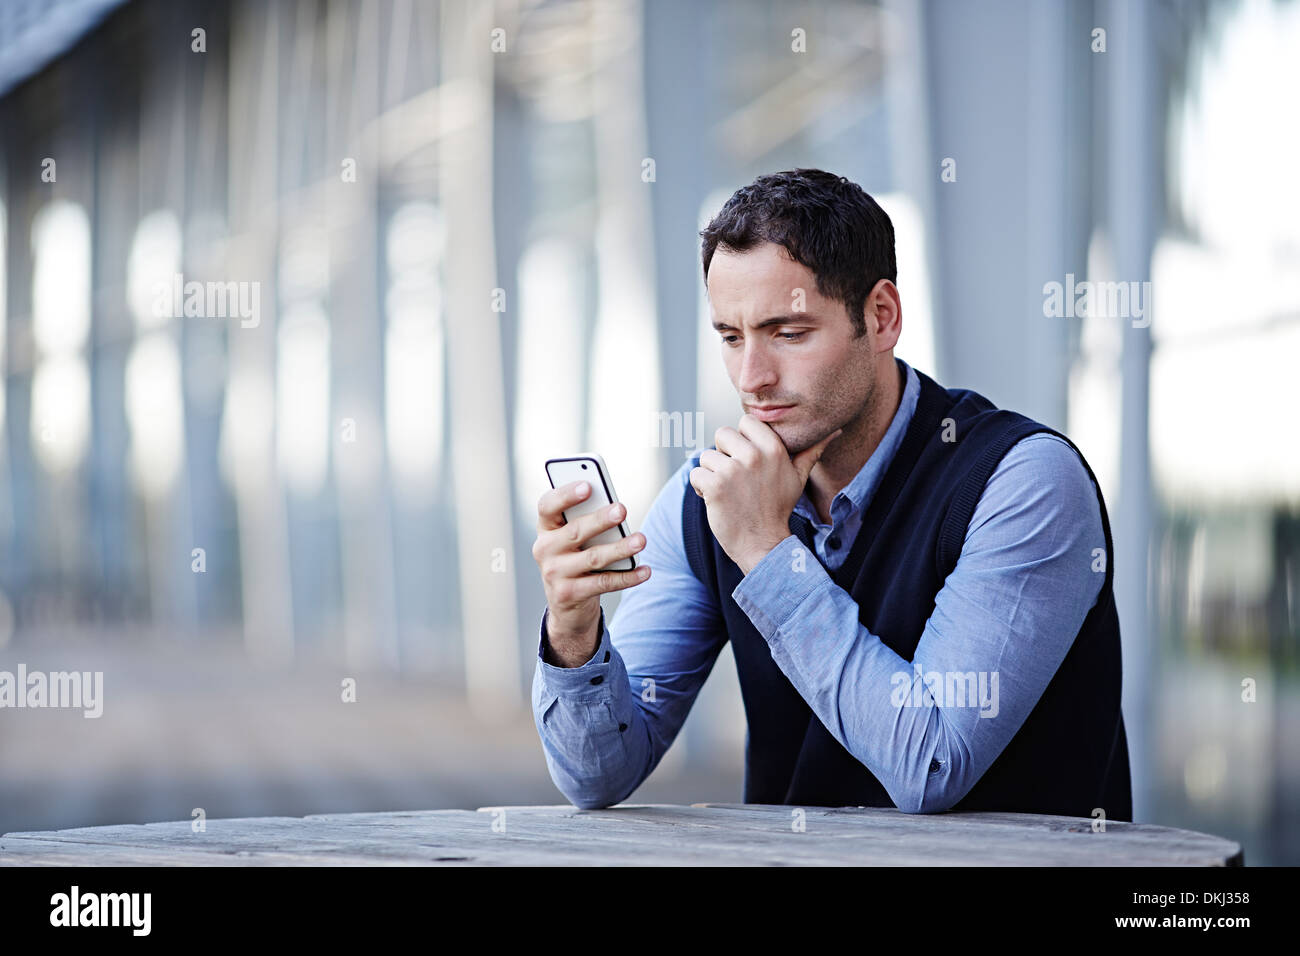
x: 808, y: 359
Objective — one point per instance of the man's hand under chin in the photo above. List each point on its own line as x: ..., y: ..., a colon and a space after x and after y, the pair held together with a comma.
x: 750, y: 485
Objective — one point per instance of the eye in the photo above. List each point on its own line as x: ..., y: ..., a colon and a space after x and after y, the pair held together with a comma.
x: 788, y: 336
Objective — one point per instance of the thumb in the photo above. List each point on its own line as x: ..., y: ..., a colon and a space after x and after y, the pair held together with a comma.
x: 806, y: 459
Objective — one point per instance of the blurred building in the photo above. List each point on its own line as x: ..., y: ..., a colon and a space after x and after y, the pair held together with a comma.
x: 296, y: 299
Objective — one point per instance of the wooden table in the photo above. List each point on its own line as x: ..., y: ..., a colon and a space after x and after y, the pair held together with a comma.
x: 629, y: 834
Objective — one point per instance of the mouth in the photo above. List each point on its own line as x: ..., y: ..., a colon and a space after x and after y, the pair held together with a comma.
x: 769, y: 413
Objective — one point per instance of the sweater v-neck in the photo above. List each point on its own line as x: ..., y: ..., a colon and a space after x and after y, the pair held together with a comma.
x: 929, y: 409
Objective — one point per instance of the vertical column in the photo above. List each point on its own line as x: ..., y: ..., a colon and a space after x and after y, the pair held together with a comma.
x: 997, y: 110
x: 364, y: 504
x: 479, y: 451
x: 249, y: 453
x: 1133, y: 130
x: 626, y: 380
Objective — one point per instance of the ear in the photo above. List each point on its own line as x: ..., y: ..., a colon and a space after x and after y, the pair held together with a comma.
x: 884, y: 314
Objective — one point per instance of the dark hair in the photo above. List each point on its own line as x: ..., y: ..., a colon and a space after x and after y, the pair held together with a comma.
x: 824, y: 221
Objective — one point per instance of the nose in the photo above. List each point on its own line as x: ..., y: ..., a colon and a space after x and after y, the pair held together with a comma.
x: 757, y: 370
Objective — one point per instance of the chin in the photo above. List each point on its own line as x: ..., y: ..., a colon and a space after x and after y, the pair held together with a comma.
x: 794, y: 442
x: 801, y: 443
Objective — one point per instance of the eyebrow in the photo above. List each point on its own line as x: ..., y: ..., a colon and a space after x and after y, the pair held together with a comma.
x: 804, y: 318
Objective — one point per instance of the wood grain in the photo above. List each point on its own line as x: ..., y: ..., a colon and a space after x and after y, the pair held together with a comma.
x: 633, y: 834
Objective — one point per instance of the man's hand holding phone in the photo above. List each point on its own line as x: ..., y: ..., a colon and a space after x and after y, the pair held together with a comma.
x: 572, y: 589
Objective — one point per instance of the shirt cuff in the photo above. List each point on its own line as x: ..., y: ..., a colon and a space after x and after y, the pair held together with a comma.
x: 775, y: 587
x: 569, y: 681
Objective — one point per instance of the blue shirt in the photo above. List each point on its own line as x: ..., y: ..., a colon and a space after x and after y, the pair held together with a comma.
x: 1022, y: 586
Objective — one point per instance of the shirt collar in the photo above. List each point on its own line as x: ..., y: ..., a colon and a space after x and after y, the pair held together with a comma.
x: 854, y: 496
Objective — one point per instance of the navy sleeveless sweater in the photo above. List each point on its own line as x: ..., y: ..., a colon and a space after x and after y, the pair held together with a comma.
x: 1070, y: 755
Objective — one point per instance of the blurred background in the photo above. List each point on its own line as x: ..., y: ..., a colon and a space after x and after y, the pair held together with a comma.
x: 452, y: 239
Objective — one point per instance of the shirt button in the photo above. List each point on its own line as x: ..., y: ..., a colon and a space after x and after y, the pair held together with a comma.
x: 622, y: 727
x: 934, y: 766
x: 597, y: 680
x: 833, y: 541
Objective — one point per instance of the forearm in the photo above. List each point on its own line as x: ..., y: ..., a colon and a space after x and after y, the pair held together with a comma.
x: 594, y: 734
x: 854, y: 683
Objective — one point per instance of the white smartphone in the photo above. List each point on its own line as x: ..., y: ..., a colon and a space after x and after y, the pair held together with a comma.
x: 590, y: 467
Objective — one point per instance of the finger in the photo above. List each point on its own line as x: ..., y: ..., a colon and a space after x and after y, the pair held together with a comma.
x: 761, y: 435
x: 703, y: 481
x: 714, y: 461
x: 577, y: 533
x: 735, y: 445
x: 599, y: 556
x: 592, y: 584
x: 607, y: 517
x: 550, y: 507
x: 806, y: 459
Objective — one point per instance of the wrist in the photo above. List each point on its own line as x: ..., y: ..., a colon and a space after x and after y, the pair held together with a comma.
x: 571, y: 649
x: 751, y: 558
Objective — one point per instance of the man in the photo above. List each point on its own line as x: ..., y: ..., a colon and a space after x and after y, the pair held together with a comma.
x: 916, y: 584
